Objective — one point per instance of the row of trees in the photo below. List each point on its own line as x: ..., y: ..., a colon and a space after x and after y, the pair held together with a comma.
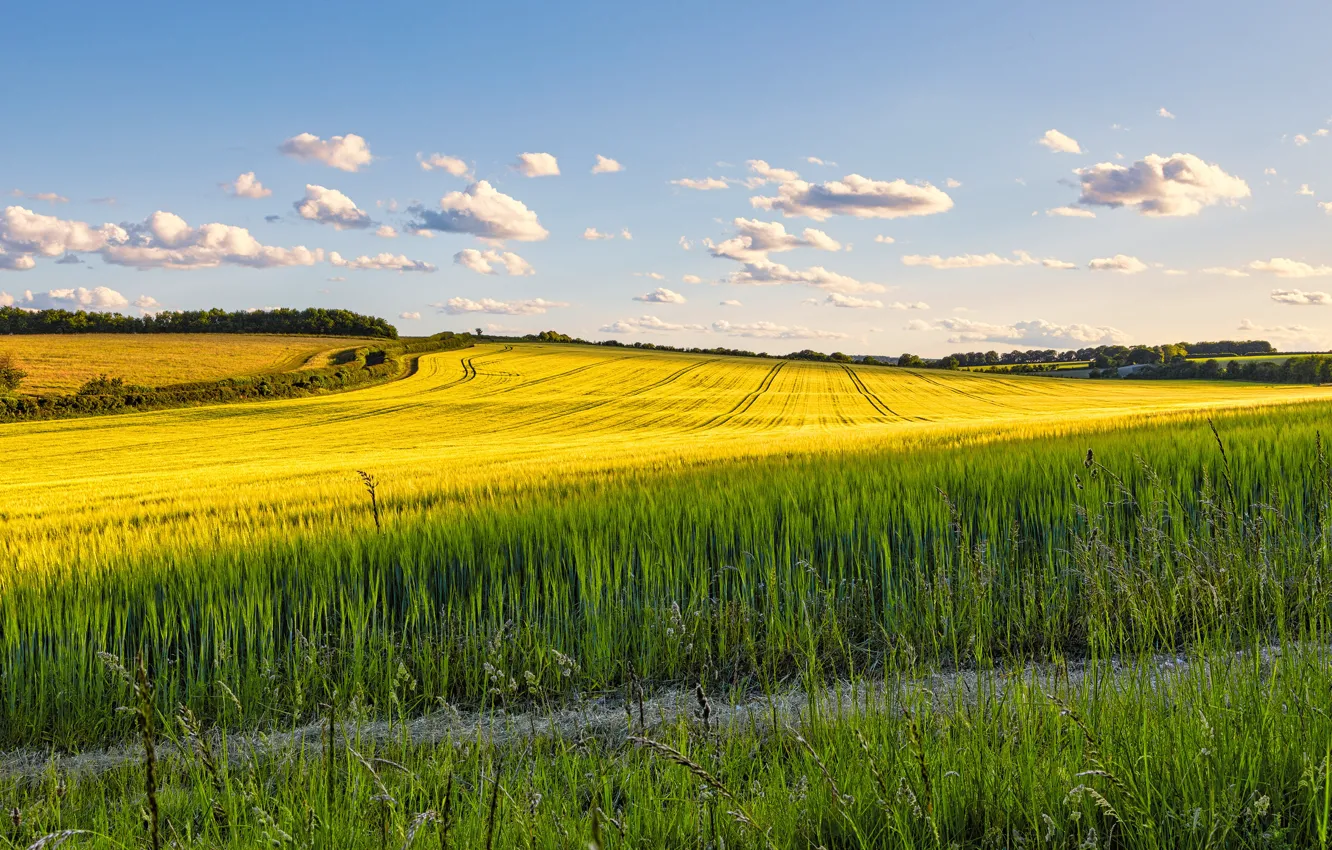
x: 311, y: 321
x: 1110, y: 356
x: 1305, y: 369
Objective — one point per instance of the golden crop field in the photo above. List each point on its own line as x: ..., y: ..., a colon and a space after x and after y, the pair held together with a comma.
x: 61, y: 363
x: 500, y: 416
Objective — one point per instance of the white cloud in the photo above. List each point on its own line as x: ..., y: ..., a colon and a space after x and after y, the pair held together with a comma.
x: 647, y: 324
x: 49, y: 197
x: 347, y: 153
x: 653, y: 275
x: 692, y: 278
x: 661, y: 295
x: 443, y: 162
x: 1326, y: 206
x: 626, y: 235
x: 705, y: 184
x: 1178, y: 185
x: 953, y: 184
x: 1301, y: 298
x: 764, y: 173
x: 23, y: 231
x: 16, y: 263
x: 885, y: 240
x: 1035, y: 333
x: 853, y: 302
x: 483, y: 211
x: 147, y: 305
x: 1301, y: 140
x: 412, y: 315
x: 592, y: 234
x: 1270, y: 172
x: 1222, y: 271
x: 685, y: 243
x: 1295, y: 336
x: 1059, y: 143
x: 856, y: 196
x: 770, y: 330
x: 1165, y: 113
x: 1304, y: 190
x: 768, y: 273
x: 99, y: 299
x: 166, y: 241
x: 524, y: 307
x: 814, y: 160
x: 386, y: 232
x: 1282, y: 267
x: 606, y: 165
x: 755, y: 239
x: 247, y: 186
x: 730, y: 302
x: 1122, y: 263
x: 1071, y: 212
x: 1322, y: 131
x: 381, y: 262
x: 484, y: 262
x: 536, y: 165
x: 969, y: 261
x: 329, y: 206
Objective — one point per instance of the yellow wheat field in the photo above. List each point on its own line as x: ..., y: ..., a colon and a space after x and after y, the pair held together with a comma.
x: 61, y: 363
x: 100, y: 489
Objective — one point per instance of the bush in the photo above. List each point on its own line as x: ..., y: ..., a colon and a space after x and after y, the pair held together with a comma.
x: 10, y: 374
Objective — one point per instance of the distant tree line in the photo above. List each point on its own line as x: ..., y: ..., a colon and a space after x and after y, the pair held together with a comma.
x: 314, y: 321
x: 1108, y: 356
x: 105, y: 394
x: 803, y: 354
x: 1304, y: 369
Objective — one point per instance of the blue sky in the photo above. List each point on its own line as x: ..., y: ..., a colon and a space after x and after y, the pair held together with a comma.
x: 158, y: 106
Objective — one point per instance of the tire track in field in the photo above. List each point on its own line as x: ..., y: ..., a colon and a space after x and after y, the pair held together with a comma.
x: 745, y: 403
x: 469, y: 369
x: 936, y: 382
x: 874, y: 400
x: 565, y: 374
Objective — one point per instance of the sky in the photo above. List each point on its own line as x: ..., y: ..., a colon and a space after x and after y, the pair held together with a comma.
x: 769, y: 176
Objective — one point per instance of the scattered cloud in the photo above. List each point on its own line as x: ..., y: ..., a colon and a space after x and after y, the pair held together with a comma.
x: 856, y: 196
x: 592, y: 234
x: 247, y: 186
x: 661, y: 295
x: 626, y: 235
x: 1122, y: 263
x: 536, y: 165
x: 1222, y: 271
x: 381, y: 262
x: 386, y: 232
x: 483, y: 211
x: 764, y: 173
x: 147, y: 305
x: 768, y: 273
x: 1326, y: 206
x: 814, y: 160
x: 1070, y: 212
x: 1165, y: 113
x: 953, y: 184
x: 685, y: 243
x: 771, y: 330
x: 48, y: 197
x: 1304, y: 190
x: 412, y: 316
x: 1270, y: 172
x: 852, y: 302
x: 1301, y: 298
x: 647, y: 324
x: 885, y: 240
x: 346, y: 153
x: 1301, y: 140
x: 606, y: 165
x: 705, y: 184
x: 692, y: 278
x: 1059, y: 143
x: 485, y: 262
x: 1283, y: 267
x: 1178, y: 185
x: 730, y: 302
x: 1034, y: 333
x: 755, y: 239
x: 329, y: 206
x: 653, y: 275
x: 1295, y: 336
x: 968, y: 261
x: 524, y: 307
x: 443, y: 162
x: 99, y: 298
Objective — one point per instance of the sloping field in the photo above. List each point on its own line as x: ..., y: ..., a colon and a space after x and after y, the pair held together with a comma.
x: 500, y: 416
x: 61, y: 363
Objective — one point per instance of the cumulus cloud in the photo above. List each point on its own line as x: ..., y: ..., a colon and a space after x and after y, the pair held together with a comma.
x: 1181, y: 184
x: 592, y: 234
x: 49, y: 197
x: 856, y: 196
x: 1295, y: 336
x: 1283, y: 267
x: 771, y: 330
x: 661, y: 295
x: 768, y: 273
x: 1122, y: 263
x: 23, y: 231
x: 483, y: 211
x: 1059, y: 143
x: 329, y: 206
x: 18, y: 263
x: 381, y: 262
x: 536, y: 165
x: 764, y: 173
x: 485, y: 262
x: 1301, y: 298
x: 443, y: 162
x: 1301, y: 140
x: 953, y: 184
x: 410, y: 315
x: 347, y: 153
x: 705, y: 184
x: 1165, y: 113
x: 969, y: 261
x: 147, y: 305
x: 625, y: 234
x: 1071, y: 212
x: 730, y: 302
x: 647, y: 324
x: 247, y: 186
x: 1035, y: 333
x: 1304, y: 190
x: 524, y: 307
x: 886, y: 240
x: 692, y: 278
x: 853, y: 302
x: 99, y: 299
x: 653, y: 275
x: 606, y: 165
x: 754, y: 240
x: 685, y: 243
x: 386, y: 232
x: 1222, y: 271
x: 1326, y: 206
